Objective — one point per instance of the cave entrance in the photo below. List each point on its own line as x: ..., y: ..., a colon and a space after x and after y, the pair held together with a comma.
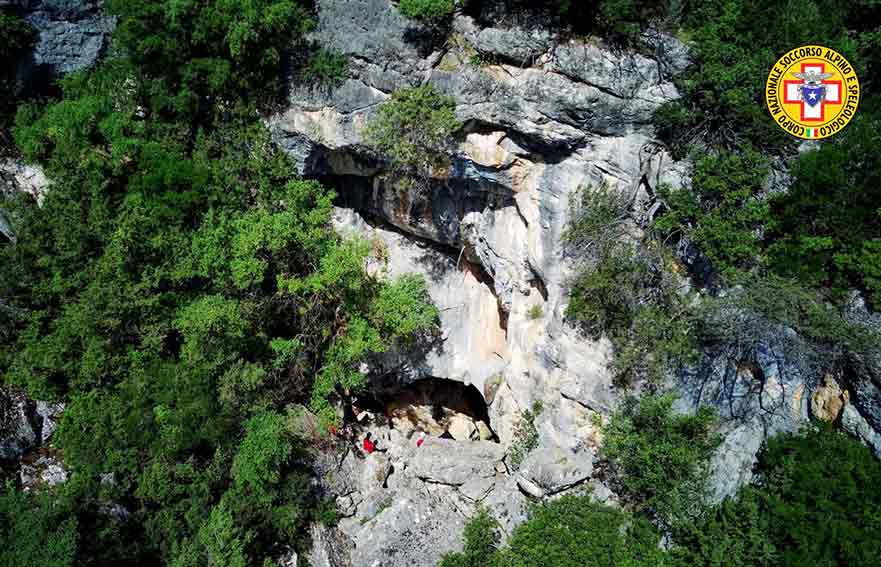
x: 441, y: 408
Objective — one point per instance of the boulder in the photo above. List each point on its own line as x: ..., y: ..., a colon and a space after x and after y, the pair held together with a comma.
x: 828, y: 400
x: 49, y: 413
x: 549, y: 470
x: 445, y: 461
x: 461, y: 428
x: 46, y: 471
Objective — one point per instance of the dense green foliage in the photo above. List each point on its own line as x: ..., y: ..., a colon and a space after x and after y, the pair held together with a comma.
x: 722, y: 212
x: 325, y: 68
x: 189, y: 55
x: 661, y: 457
x: 816, y: 501
x: 735, y: 44
x: 35, y: 532
x: 429, y: 11
x: 183, y: 290
x: 17, y: 35
x: 825, y: 229
x: 566, y: 532
x: 414, y: 129
x: 624, y: 290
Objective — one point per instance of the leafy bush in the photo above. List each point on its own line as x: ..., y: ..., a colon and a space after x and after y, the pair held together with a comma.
x: 34, y: 532
x: 566, y: 532
x: 598, y: 219
x: 326, y: 68
x: 625, y: 292
x: 816, y: 501
x: 525, y: 435
x: 724, y: 211
x: 481, y: 544
x: 429, y: 11
x: 660, y: 457
x: 414, y: 129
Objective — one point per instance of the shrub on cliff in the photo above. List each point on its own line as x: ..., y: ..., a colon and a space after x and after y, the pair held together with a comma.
x: 624, y: 290
x: 414, y: 129
x: 428, y: 11
x: 660, y: 458
x: 325, y: 68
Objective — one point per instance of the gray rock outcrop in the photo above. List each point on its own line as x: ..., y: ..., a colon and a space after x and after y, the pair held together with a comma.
x: 70, y: 35
x: 19, y: 428
x: 549, y: 470
x: 24, y: 424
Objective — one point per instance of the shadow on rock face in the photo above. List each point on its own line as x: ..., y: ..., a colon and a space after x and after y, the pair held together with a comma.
x: 441, y: 408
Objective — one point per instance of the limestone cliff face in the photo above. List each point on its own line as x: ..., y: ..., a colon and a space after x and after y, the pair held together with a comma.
x: 546, y: 118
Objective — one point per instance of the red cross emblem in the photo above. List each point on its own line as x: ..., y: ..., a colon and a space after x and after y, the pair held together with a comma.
x: 816, y: 112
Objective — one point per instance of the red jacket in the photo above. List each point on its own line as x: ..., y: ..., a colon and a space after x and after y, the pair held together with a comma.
x: 369, y: 447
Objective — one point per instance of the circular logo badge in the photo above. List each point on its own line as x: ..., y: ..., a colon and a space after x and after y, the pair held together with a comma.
x: 812, y: 92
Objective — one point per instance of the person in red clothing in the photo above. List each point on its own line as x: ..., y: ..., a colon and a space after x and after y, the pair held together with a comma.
x: 369, y: 445
x: 420, y: 439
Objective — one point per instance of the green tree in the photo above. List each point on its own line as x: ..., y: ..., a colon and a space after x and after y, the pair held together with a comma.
x: 723, y: 211
x: 826, y: 229
x: 660, y: 457
x: 194, y: 53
